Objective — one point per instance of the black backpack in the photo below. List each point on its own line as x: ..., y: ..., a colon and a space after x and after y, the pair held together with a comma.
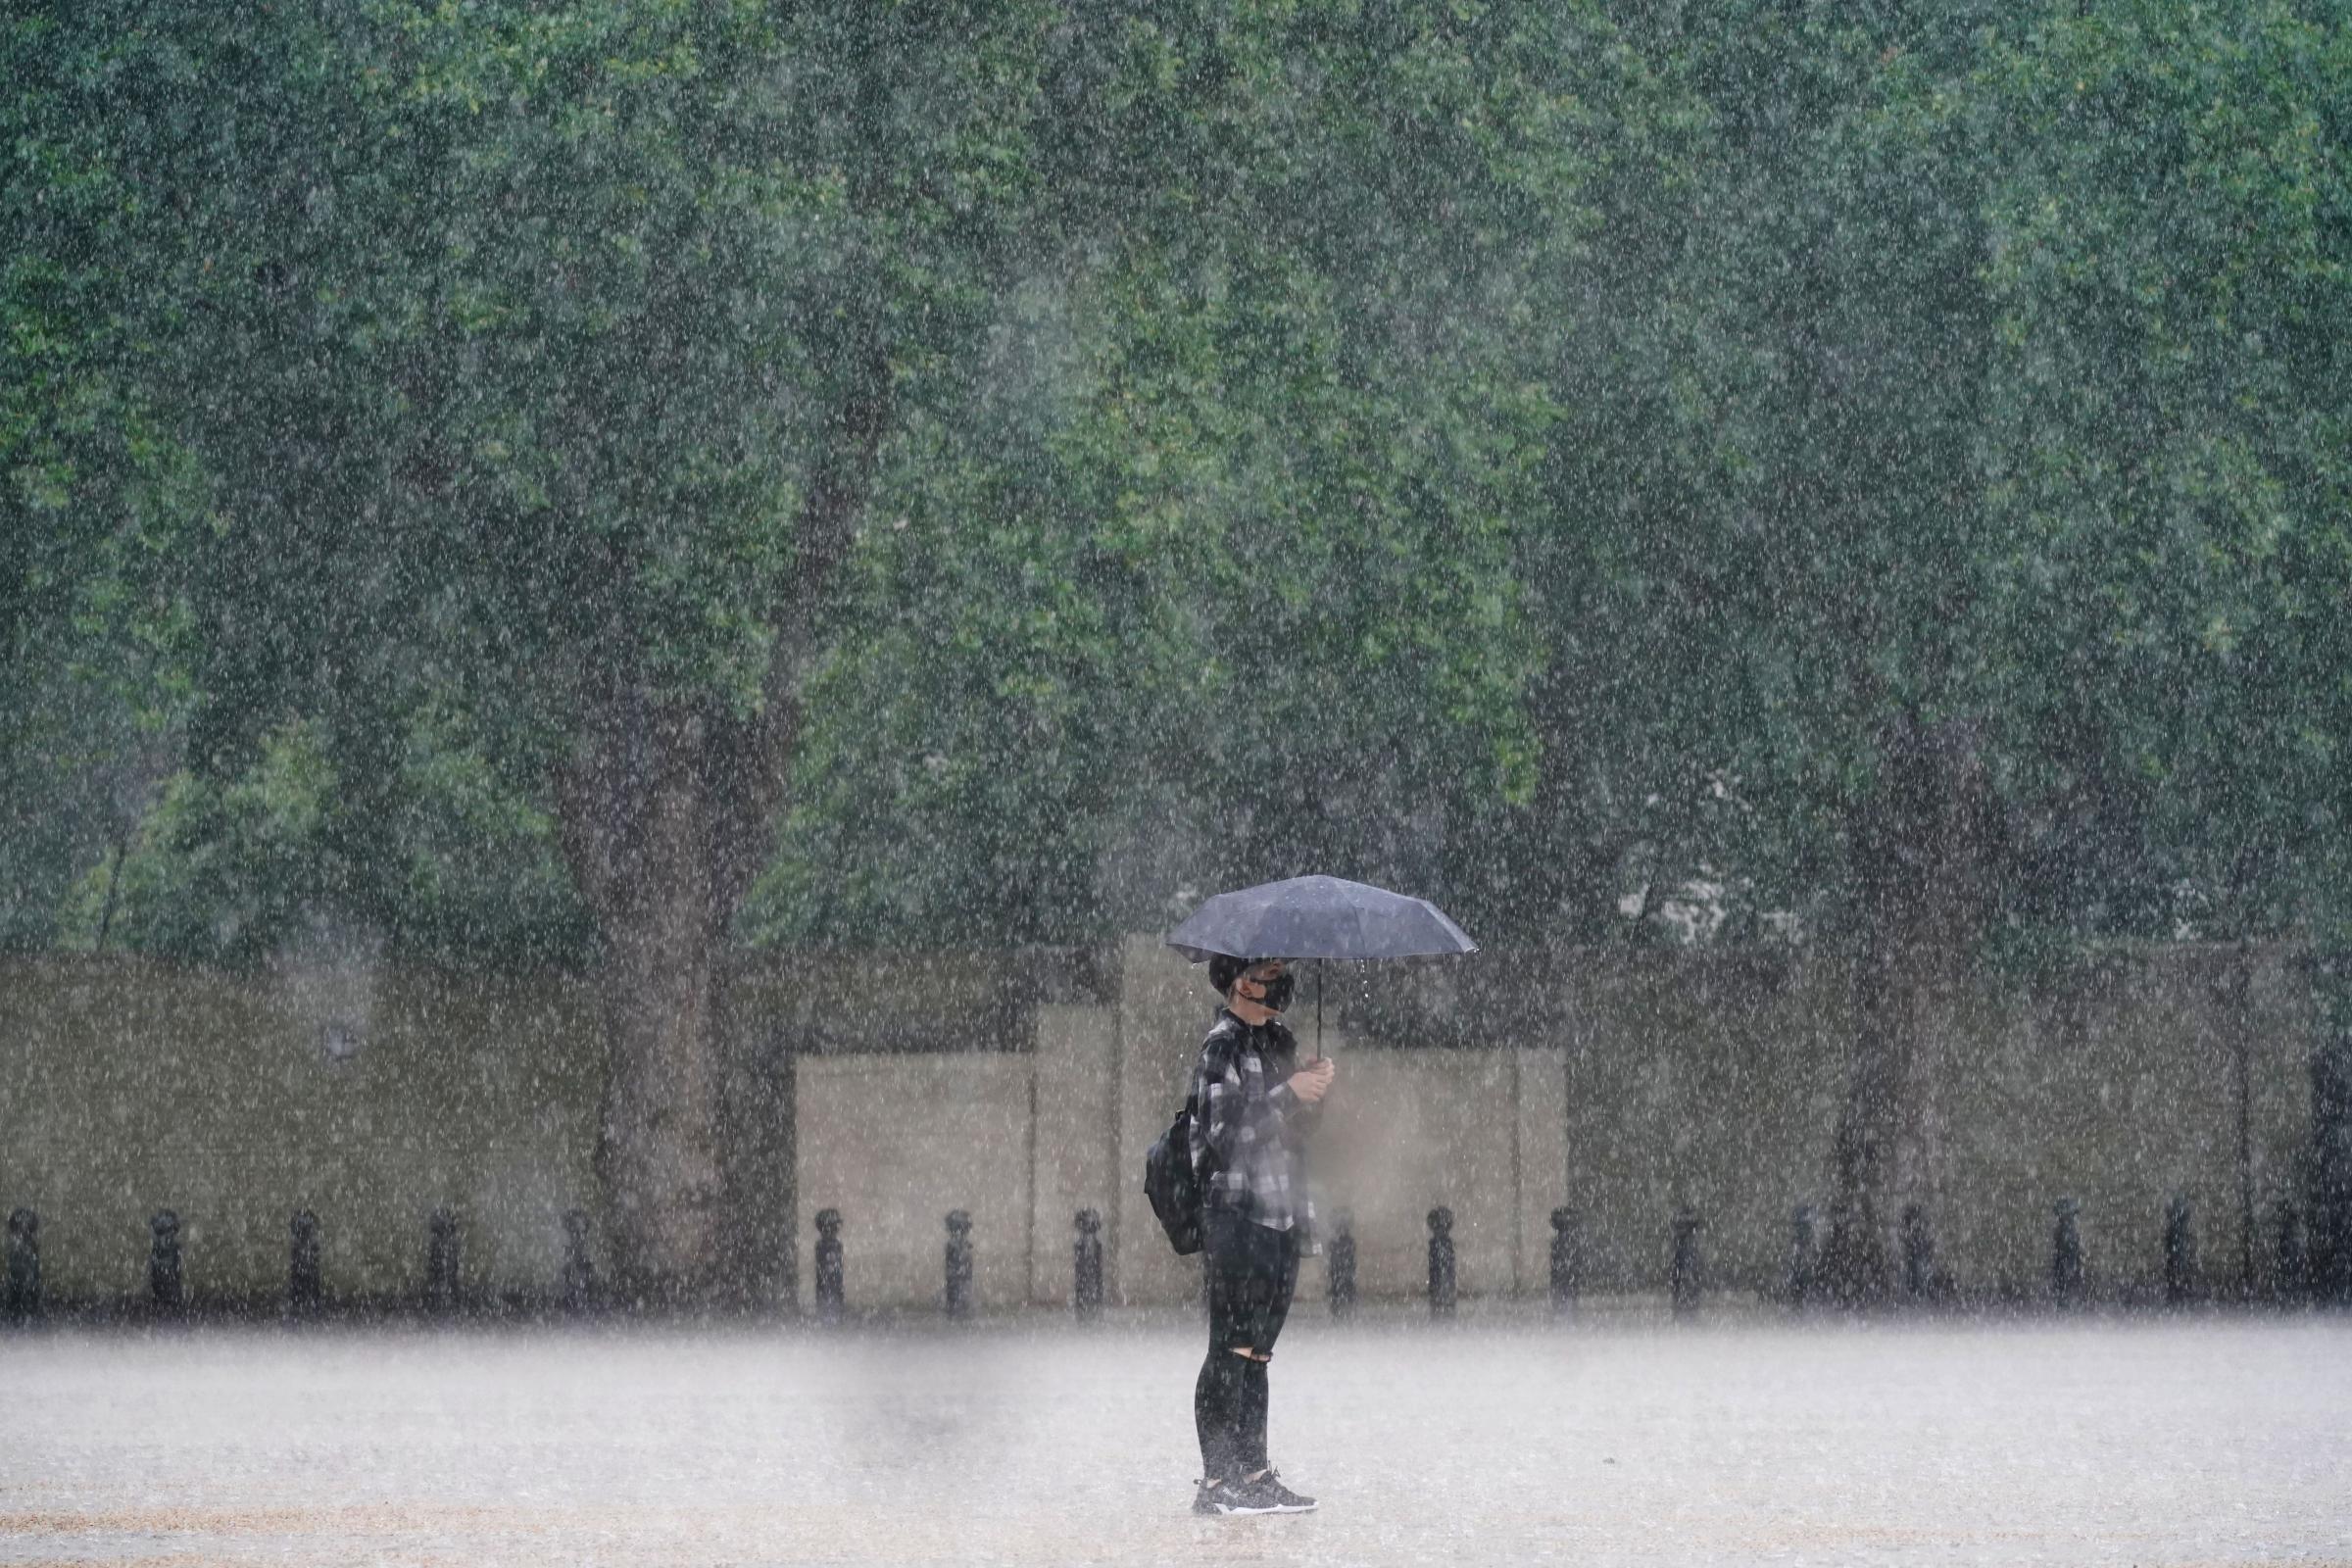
x: 1172, y: 1185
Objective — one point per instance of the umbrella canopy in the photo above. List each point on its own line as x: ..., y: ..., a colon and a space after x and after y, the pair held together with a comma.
x: 1318, y: 917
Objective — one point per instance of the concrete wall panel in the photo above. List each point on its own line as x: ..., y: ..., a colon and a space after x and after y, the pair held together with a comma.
x: 894, y: 1142
x: 1077, y: 1082
x: 1405, y: 1131
x: 1543, y: 1160
x: 1165, y: 1009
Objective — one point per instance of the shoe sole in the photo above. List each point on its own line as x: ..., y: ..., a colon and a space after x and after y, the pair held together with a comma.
x: 1277, y: 1507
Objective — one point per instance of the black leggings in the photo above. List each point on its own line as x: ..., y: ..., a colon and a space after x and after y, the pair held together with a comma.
x: 1251, y: 1273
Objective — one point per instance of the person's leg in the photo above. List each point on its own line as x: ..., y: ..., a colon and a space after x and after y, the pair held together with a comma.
x: 1280, y: 1265
x: 1217, y: 1399
x: 1219, y: 1391
x: 1250, y: 1443
x: 1275, y: 1282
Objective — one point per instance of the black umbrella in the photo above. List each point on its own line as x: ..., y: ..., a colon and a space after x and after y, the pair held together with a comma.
x: 1318, y: 917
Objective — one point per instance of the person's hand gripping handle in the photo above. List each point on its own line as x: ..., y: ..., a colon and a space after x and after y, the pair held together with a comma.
x: 1312, y: 1082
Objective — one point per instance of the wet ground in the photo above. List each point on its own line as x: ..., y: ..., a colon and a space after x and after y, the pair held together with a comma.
x: 2204, y: 1441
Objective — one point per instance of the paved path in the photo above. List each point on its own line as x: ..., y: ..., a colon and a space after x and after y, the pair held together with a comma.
x: 2177, y: 1443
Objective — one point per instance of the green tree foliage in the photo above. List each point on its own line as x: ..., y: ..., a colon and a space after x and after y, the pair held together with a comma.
x: 84, y: 476
x: 2170, y: 267
x: 1246, y: 600
x: 592, y: 484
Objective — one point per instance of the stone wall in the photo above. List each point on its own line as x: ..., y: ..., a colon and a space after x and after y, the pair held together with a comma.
x: 1714, y: 1079
x: 894, y: 1089
x: 127, y: 1088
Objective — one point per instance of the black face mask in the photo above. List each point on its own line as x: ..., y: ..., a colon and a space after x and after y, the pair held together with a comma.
x: 1278, y: 992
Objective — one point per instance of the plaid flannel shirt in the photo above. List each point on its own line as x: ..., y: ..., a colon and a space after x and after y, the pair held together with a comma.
x: 1249, y: 1131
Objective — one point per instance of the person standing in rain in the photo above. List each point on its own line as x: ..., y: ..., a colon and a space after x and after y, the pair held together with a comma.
x: 1255, y: 1111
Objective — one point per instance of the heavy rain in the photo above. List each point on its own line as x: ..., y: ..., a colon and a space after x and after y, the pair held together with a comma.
x: 767, y: 769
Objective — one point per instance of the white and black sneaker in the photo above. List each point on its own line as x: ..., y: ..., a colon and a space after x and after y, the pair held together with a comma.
x: 1285, y: 1499
x: 1265, y: 1494
x: 1213, y: 1498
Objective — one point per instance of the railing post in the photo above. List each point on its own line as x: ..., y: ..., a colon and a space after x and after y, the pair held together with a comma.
x: 24, y: 1288
x: 2066, y: 1254
x: 441, y: 1263
x: 1086, y: 1266
x: 1804, y: 1257
x: 960, y: 1264
x: 305, y: 1281
x: 1440, y: 1263
x: 1684, y: 1282
x: 167, y: 1279
x: 1339, y: 1267
x: 579, y: 1268
x: 1566, y: 1265
x: 828, y: 1265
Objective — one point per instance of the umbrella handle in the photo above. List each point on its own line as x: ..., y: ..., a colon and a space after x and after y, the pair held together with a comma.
x: 1318, y: 1057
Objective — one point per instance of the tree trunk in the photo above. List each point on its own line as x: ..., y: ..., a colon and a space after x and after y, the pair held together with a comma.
x: 759, y: 1257
x: 657, y: 1138
x: 669, y: 812
x: 666, y: 825
x: 1920, y: 851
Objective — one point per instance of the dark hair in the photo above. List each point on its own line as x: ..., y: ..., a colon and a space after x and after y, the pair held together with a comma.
x: 1224, y: 969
